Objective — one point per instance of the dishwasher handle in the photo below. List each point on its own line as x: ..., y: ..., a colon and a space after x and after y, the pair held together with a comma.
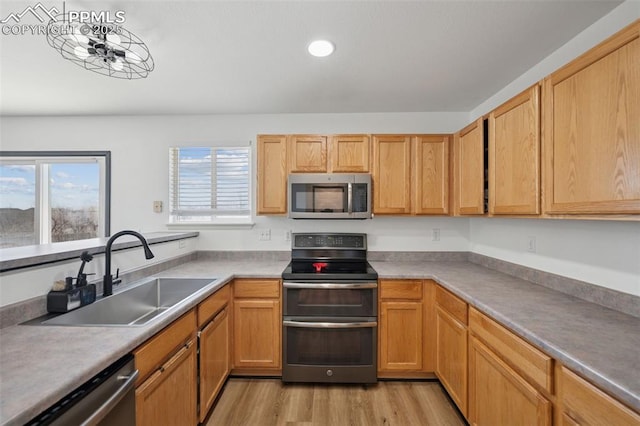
x: 128, y: 383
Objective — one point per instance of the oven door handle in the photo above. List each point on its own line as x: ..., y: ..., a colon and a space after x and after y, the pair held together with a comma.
x: 345, y: 286
x: 306, y: 324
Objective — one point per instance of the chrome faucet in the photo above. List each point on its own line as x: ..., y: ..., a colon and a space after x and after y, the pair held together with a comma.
x: 108, y: 280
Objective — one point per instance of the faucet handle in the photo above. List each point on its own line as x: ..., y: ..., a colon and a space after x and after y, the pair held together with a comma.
x: 117, y: 280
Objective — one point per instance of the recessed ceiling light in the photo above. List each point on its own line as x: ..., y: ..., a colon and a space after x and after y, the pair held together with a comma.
x: 321, y: 48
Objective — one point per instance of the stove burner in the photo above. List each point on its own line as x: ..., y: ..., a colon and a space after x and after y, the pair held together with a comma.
x: 319, y: 266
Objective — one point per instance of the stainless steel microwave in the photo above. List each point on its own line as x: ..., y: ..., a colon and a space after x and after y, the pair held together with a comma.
x: 329, y: 196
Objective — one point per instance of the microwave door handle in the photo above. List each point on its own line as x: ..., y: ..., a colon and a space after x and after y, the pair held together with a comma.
x: 349, y: 198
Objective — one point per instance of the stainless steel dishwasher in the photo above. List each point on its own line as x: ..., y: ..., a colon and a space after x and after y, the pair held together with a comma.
x: 107, y: 399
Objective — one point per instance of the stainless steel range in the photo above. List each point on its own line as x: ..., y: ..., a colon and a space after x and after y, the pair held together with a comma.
x: 330, y: 310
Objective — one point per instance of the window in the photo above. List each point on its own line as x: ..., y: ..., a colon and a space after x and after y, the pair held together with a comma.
x: 209, y: 185
x: 49, y: 197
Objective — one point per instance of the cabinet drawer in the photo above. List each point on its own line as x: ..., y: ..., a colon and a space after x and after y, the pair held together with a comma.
x: 529, y: 361
x: 455, y: 306
x: 250, y: 288
x: 213, y: 304
x: 587, y: 405
x: 401, y: 289
x: 150, y: 355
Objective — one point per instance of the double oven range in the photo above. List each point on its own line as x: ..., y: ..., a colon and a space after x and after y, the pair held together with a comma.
x: 330, y: 310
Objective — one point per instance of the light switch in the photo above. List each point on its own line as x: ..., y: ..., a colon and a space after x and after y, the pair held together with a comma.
x: 157, y: 206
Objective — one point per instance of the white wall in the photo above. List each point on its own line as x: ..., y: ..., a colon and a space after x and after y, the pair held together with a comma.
x: 606, y: 253
x: 140, y: 149
x: 603, y: 253
x: 24, y: 284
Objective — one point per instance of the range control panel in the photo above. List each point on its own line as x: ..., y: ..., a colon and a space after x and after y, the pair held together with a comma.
x: 334, y: 241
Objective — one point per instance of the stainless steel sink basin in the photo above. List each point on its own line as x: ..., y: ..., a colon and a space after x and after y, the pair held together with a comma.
x: 135, y: 306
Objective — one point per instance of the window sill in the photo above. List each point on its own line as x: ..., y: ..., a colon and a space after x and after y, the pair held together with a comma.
x: 211, y: 225
x: 15, y: 258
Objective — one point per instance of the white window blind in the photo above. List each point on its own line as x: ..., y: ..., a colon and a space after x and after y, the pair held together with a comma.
x: 209, y: 183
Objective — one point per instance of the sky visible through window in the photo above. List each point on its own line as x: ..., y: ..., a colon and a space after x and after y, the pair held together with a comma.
x: 74, y: 185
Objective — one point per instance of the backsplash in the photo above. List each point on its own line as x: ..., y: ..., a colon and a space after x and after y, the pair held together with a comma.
x: 619, y: 301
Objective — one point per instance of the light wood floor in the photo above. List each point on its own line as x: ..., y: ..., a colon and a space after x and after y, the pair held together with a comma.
x: 265, y: 402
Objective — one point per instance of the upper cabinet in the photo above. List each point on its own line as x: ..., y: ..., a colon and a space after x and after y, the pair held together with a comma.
x: 468, y: 169
x: 272, y: 174
x: 391, y: 174
x: 410, y: 173
x: 307, y: 154
x: 430, y: 171
x: 591, y: 137
x: 349, y: 154
x: 514, y: 156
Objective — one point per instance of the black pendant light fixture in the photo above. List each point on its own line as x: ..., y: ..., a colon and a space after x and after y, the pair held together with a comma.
x: 103, y: 48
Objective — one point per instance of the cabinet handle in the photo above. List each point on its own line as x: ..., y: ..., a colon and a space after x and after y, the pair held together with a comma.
x: 176, y: 358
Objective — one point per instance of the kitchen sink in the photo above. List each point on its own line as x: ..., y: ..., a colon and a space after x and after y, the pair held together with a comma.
x: 137, y: 305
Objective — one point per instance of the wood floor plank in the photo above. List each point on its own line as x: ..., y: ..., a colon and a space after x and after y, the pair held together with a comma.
x: 269, y: 402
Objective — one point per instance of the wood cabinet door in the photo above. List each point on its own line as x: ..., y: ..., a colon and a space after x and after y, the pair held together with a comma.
x: 168, y: 396
x: 499, y: 396
x: 468, y: 169
x: 391, y: 174
x: 514, y: 155
x: 585, y: 405
x: 401, y: 336
x: 591, y: 140
x: 307, y: 154
x: 257, y: 333
x: 451, y: 357
x: 214, y: 360
x: 431, y: 174
x: 349, y: 154
x: 272, y: 174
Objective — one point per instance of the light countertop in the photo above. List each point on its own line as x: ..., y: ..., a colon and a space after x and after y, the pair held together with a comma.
x: 40, y: 364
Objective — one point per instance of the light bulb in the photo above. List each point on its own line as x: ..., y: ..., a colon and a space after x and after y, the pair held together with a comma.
x: 117, y: 65
x: 81, y: 52
x: 321, y: 48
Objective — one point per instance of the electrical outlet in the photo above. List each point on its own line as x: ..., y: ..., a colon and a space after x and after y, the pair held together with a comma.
x: 435, y: 236
x: 265, y: 235
x: 182, y: 244
x: 531, y: 244
x: 157, y: 206
x: 287, y: 235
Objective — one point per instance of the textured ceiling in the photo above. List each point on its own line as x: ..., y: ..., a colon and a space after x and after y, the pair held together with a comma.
x: 250, y: 57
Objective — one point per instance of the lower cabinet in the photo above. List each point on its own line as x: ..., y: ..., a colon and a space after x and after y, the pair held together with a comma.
x: 583, y: 404
x: 510, y: 381
x: 400, y: 326
x: 500, y: 396
x: 257, y: 327
x: 166, y: 392
x: 451, y: 346
x: 214, y: 348
x: 406, y: 339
